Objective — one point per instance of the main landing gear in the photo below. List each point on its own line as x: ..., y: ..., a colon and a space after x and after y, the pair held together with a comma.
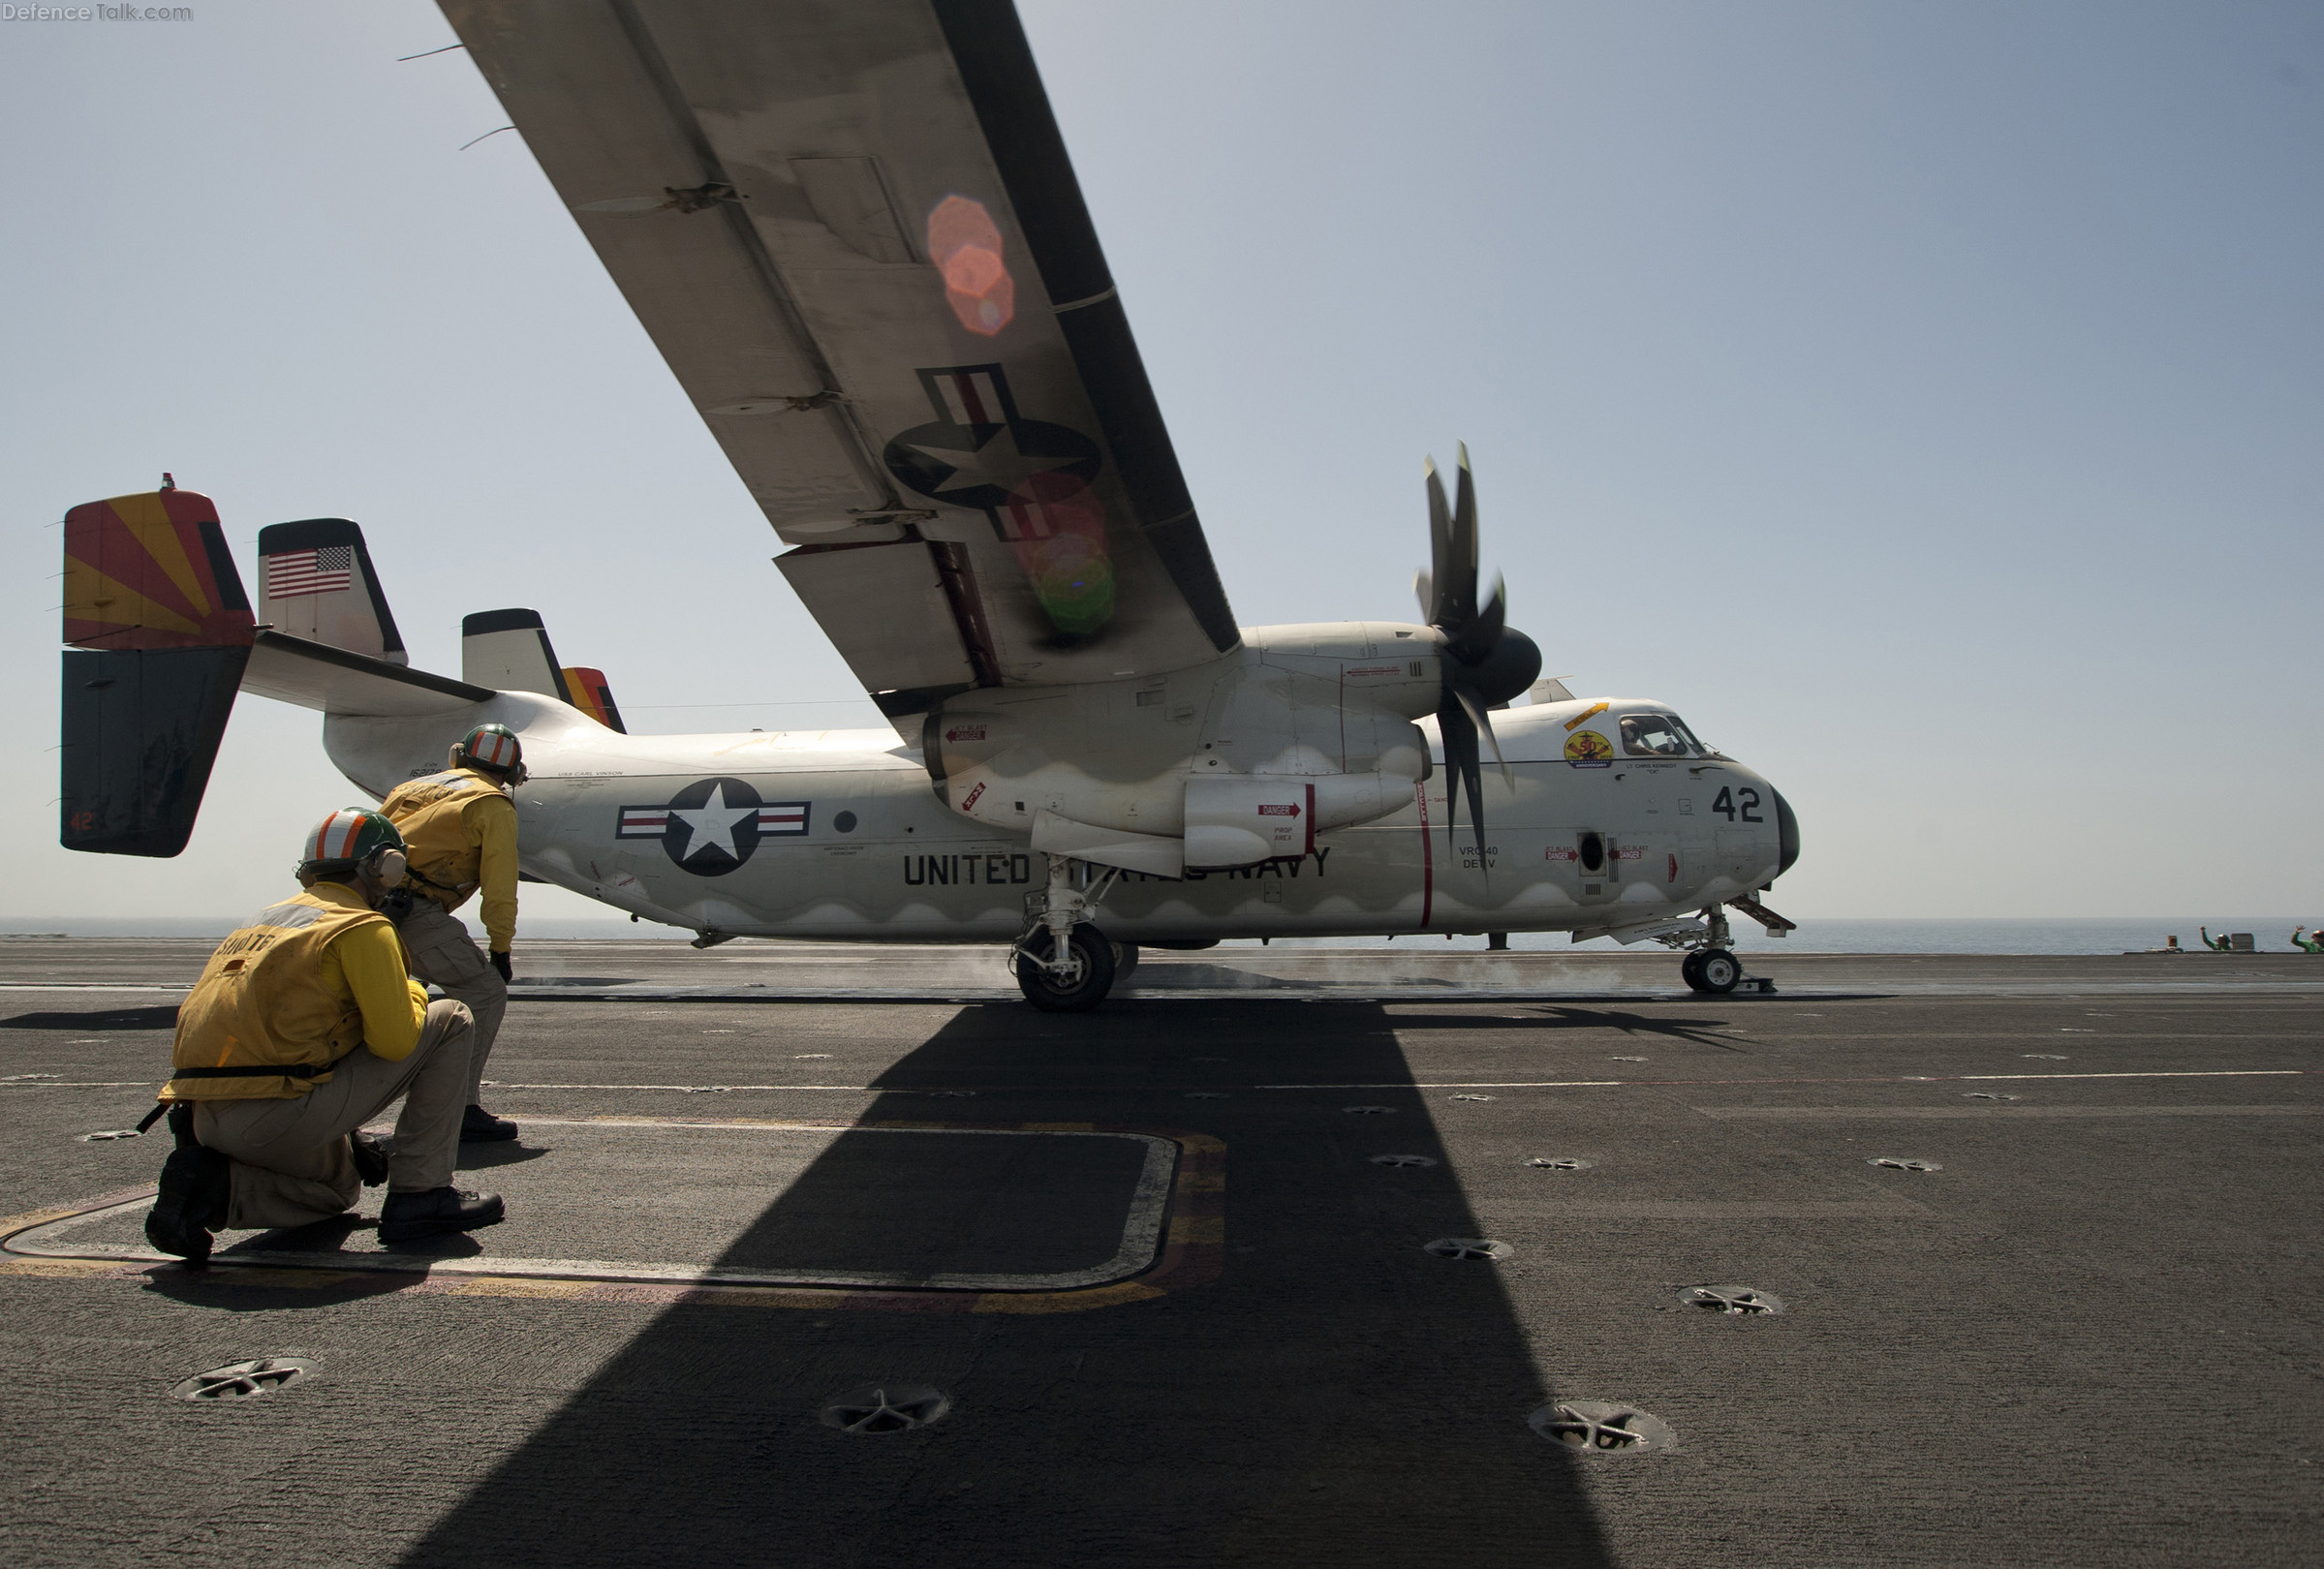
x: 1063, y: 963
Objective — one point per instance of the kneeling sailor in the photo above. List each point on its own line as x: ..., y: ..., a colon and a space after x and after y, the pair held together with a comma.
x: 461, y: 826
x: 303, y: 1028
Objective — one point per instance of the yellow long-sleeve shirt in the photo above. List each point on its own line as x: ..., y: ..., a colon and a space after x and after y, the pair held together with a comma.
x: 367, y: 966
x: 492, y: 820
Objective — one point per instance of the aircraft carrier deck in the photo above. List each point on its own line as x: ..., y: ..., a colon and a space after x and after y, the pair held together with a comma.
x: 2043, y: 1233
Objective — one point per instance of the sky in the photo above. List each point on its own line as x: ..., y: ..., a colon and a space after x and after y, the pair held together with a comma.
x: 1924, y: 399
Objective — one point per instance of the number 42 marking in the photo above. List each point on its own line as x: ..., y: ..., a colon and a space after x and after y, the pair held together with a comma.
x: 1725, y: 803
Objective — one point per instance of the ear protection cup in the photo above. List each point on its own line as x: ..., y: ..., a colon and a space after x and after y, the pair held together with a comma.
x: 388, y: 865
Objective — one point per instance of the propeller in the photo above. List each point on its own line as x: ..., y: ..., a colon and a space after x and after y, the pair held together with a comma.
x: 1484, y: 661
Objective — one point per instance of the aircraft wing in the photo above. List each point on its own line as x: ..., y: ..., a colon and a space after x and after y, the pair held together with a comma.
x: 853, y: 230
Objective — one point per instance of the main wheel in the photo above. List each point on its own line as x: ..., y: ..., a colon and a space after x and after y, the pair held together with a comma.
x: 1718, y: 972
x: 1089, y: 976
x: 1126, y: 960
x: 1691, y: 970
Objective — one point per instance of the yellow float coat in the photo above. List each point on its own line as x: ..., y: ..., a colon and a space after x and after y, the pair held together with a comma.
x: 459, y: 831
x: 307, y: 981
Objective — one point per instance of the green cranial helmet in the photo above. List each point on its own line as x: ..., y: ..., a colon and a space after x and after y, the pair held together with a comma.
x: 494, y: 750
x: 351, y: 840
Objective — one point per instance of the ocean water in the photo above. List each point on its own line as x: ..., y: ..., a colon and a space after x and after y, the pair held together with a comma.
x: 2271, y: 934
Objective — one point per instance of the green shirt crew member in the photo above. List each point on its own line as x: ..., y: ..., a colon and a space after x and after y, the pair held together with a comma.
x: 303, y: 1027
x: 461, y: 827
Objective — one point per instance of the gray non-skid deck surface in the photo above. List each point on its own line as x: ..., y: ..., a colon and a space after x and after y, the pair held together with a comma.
x: 2091, y: 1339
x: 793, y: 1202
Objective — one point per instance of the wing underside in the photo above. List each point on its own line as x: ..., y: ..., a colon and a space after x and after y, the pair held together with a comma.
x: 852, y: 228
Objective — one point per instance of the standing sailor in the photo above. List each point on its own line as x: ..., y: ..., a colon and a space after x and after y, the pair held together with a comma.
x: 461, y: 827
x: 303, y: 1028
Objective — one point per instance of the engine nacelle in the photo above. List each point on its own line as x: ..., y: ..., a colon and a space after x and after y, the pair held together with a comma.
x: 1244, y: 760
x: 1242, y: 820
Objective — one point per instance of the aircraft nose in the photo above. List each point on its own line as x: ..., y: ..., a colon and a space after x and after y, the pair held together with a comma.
x: 1787, y: 831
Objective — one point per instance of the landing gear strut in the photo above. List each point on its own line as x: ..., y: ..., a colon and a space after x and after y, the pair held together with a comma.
x: 1063, y: 963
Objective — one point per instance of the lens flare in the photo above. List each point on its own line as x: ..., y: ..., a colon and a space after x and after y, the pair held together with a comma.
x: 964, y: 244
x: 1058, y: 525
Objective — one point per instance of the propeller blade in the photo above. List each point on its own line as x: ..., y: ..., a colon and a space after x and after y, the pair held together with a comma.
x: 1459, y: 574
x: 1475, y: 638
x: 1459, y: 732
x: 1476, y: 709
x: 1424, y: 588
x: 1441, y: 576
x: 1464, y: 523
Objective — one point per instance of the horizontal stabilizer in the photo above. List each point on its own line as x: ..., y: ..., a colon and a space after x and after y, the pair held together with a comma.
x: 336, y: 681
x: 316, y: 583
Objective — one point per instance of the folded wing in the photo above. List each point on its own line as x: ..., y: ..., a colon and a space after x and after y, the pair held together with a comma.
x: 853, y: 230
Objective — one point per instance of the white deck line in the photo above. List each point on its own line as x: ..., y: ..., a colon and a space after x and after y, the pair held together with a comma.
x: 1141, y: 1232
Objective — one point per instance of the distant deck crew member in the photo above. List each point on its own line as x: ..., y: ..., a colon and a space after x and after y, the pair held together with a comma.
x: 303, y: 1027
x: 461, y: 827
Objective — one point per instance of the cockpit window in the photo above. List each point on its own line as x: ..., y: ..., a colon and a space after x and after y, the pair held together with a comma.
x: 1655, y: 735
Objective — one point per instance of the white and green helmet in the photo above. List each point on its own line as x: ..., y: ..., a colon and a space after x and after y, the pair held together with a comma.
x: 493, y: 747
x: 353, y: 839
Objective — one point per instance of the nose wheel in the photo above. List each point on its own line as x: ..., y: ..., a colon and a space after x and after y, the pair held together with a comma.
x: 1715, y: 970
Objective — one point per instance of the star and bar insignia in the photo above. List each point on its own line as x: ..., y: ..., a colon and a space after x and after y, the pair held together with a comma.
x: 713, y: 825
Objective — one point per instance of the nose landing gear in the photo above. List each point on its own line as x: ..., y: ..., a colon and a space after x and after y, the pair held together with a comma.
x: 1716, y: 970
x: 1713, y: 966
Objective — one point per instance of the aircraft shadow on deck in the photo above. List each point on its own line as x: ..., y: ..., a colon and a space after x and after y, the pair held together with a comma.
x: 1337, y: 1394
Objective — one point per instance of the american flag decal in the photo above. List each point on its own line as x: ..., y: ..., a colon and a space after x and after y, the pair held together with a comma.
x: 782, y: 818
x: 643, y: 822
x: 296, y: 573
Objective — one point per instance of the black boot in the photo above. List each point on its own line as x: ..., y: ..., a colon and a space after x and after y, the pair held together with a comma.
x: 371, y: 1152
x: 196, y: 1184
x: 480, y: 1127
x: 410, y: 1217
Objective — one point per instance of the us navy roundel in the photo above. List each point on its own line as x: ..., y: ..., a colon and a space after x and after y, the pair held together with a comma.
x: 979, y: 452
x: 713, y: 825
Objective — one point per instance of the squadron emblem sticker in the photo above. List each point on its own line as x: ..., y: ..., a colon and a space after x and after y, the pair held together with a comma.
x: 714, y: 825
x: 1587, y: 749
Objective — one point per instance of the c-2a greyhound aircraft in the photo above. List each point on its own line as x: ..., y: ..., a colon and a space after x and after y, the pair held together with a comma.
x: 853, y: 230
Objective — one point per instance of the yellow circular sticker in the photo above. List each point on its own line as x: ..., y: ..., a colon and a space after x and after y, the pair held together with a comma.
x: 1588, y: 746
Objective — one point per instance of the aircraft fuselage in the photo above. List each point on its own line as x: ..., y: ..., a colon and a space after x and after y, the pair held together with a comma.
x: 838, y: 835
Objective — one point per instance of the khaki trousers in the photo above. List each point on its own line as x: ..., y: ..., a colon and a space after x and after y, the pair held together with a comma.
x: 444, y: 954
x: 291, y: 1161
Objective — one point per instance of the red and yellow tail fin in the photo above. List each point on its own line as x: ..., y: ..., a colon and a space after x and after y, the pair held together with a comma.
x: 151, y: 570
x: 159, y: 630
x: 588, y: 691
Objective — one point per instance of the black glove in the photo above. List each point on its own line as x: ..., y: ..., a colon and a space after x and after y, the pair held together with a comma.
x: 500, y: 962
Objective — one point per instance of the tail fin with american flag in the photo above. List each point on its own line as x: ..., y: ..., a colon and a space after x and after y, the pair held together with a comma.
x: 315, y: 582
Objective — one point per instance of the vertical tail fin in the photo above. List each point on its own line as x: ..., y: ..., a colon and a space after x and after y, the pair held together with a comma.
x: 594, y: 697
x: 315, y: 582
x: 159, y: 630
x: 509, y: 651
